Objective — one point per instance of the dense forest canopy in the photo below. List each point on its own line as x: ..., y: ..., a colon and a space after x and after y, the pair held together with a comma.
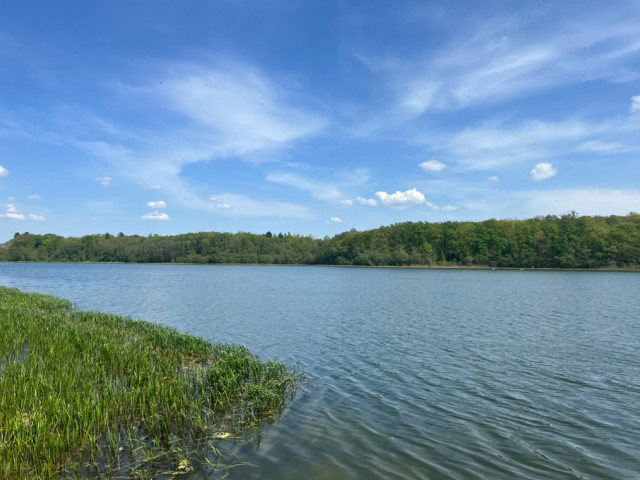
x: 568, y: 241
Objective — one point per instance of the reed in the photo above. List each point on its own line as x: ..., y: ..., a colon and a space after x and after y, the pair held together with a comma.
x: 92, y: 395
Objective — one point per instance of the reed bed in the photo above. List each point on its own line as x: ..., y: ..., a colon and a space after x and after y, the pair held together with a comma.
x: 92, y: 395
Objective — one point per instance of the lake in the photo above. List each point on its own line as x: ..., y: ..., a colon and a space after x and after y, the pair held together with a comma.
x: 413, y: 374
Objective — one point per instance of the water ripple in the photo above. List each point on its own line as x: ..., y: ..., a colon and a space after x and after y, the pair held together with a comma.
x: 412, y: 374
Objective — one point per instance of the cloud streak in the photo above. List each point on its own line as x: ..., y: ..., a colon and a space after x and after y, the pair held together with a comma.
x: 319, y: 190
x: 161, y: 216
x: 505, y: 57
x: 237, y: 107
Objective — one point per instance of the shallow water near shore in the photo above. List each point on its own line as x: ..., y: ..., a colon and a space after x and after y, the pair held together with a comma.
x: 429, y: 374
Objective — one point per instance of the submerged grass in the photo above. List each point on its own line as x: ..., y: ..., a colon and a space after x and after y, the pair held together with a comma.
x: 92, y: 395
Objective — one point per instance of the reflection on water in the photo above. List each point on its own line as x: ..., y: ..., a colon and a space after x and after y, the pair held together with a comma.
x: 430, y: 374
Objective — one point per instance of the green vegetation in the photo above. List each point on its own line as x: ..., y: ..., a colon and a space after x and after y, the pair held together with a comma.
x: 90, y: 395
x: 568, y: 241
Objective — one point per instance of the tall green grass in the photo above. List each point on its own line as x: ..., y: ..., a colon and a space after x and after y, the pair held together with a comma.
x: 92, y: 395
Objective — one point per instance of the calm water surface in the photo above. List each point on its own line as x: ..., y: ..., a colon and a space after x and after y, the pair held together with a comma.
x: 415, y: 374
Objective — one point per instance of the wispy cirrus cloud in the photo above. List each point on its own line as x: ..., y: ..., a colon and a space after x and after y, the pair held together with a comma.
x: 239, y: 108
x: 606, y: 147
x: 324, y: 190
x: 507, y: 56
x: 319, y: 190
x: 217, y: 109
x: 239, y: 204
x: 497, y: 144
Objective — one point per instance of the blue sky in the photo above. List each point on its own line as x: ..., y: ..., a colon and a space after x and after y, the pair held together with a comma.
x: 314, y: 116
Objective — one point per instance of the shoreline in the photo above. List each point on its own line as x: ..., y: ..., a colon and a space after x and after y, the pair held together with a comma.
x: 399, y: 267
x: 84, y: 392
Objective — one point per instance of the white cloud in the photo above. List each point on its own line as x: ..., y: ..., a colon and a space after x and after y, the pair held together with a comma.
x: 34, y: 197
x: 635, y: 104
x: 3, y: 171
x: 401, y: 200
x: 372, y: 202
x: 347, y: 202
x: 220, y: 204
x: 336, y: 219
x: 36, y: 218
x: 159, y: 205
x: 13, y: 213
x: 104, y: 181
x: 542, y: 171
x: 156, y: 216
x: 433, y: 166
x: 493, y: 178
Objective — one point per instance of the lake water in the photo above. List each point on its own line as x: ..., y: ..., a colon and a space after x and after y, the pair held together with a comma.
x: 414, y: 374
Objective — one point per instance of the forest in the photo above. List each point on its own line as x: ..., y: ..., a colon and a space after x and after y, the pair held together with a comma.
x: 567, y: 241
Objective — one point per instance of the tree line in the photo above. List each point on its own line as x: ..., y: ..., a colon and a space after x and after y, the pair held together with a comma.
x: 567, y: 241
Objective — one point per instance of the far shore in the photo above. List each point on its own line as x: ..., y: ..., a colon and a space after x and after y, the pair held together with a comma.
x: 399, y: 267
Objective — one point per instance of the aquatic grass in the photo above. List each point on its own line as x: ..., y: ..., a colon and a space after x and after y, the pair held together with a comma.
x: 92, y: 395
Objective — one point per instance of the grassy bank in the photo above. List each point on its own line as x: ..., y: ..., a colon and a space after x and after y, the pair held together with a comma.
x: 91, y: 395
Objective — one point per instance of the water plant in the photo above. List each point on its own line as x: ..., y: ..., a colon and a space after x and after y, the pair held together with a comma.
x: 93, y: 395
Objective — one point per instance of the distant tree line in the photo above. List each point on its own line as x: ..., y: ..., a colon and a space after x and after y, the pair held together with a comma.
x: 567, y: 241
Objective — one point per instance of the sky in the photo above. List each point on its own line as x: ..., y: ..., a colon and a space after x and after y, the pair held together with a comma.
x: 314, y: 117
